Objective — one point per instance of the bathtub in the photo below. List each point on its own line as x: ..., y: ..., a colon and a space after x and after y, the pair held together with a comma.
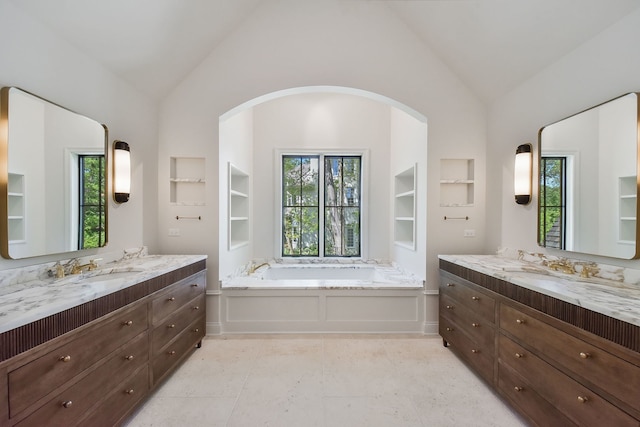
x: 325, y: 275
x: 351, y: 297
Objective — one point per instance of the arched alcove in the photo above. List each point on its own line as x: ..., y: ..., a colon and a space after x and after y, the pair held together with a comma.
x: 313, y: 117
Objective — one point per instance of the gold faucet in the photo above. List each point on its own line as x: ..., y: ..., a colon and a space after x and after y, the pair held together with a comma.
x: 563, y: 265
x: 589, y: 269
x: 255, y: 267
x: 91, y: 265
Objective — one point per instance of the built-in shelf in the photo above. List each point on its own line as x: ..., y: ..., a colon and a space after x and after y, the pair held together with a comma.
x: 15, y: 208
x: 238, y: 202
x: 405, y: 208
x: 628, y: 205
x: 187, y: 181
x: 456, y: 182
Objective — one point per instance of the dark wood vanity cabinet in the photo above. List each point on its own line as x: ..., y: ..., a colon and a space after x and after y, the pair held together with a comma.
x: 551, y: 371
x: 98, y: 373
x: 467, y: 324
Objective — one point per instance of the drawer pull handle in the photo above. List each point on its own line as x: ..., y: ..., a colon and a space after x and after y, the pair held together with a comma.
x: 475, y: 325
x: 196, y: 330
x: 171, y: 299
x: 67, y: 404
x: 519, y: 355
x: 518, y: 389
x: 520, y: 321
x: 127, y: 323
x: 475, y: 351
x: 195, y: 307
x: 450, y: 329
x: 194, y: 285
x: 475, y: 298
x: 130, y: 357
x: 584, y: 355
x: 451, y: 284
x: 171, y: 353
x: 66, y: 358
x: 130, y: 391
x: 583, y: 399
x: 171, y: 326
x: 449, y: 307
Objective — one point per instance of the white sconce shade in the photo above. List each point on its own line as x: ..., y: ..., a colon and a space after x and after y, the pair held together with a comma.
x: 121, y: 171
x: 523, y: 174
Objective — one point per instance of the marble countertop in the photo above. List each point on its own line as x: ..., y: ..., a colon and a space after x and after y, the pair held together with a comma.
x: 26, y: 302
x: 615, y: 299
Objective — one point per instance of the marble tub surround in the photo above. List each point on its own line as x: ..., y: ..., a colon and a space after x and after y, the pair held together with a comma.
x: 614, y: 298
x: 30, y: 294
x: 255, y: 274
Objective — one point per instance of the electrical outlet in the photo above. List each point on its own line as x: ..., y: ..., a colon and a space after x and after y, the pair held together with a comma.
x: 174, y: 232
x: 469, y: 233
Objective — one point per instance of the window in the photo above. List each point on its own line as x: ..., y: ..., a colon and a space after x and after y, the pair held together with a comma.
x: 91, y: 209
x: 553, y: 202
x: 321, y: 212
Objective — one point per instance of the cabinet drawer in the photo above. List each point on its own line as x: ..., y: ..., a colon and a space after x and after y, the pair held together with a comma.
x: 169, y: 300
x: 573, y: 399
x: 531, y: 404
x: 177, y: 349
x: 175, y: 324
x: 479, y: 328
x: 479, y: 356
x: 600, y: 368
x: 120, y: 402
x: 69, y: 405
x: 479, y: 302
x: 34, y: 380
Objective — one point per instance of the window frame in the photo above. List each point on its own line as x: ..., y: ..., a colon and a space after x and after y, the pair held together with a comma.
x: 565, y: 167
x: 102, y: 203
x: 280, y: 154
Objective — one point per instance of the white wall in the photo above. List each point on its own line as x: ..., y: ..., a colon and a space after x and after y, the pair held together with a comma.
x: 287, y: 44
x: 38, y: 61
x: 408, y: 137
x: 601, y: 69
x: 236, y: 147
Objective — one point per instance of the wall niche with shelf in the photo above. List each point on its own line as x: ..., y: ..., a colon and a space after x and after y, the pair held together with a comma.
x: 628, y: 202
x: 187, y: 181
x: 16, y: 208
x: 238, y: 227
x: 456, y: 182
x: 405, y: 208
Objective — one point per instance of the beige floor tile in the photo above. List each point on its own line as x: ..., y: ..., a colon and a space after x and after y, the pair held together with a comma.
x: 324, y: 381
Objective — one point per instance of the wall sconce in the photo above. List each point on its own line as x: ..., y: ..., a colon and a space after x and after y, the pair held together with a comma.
x: 121, y: 171
x: 522, y: 176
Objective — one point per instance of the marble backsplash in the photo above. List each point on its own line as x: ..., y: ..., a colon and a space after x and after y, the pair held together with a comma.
x: 600, y: 270
x: 44, y: 271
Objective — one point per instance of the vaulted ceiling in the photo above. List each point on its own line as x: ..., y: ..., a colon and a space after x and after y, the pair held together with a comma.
x: 491, y: 45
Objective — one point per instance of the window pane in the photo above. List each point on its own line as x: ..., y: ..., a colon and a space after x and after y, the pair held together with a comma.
x: 309, y: 232
x: 91, y: 209
x: 291, y: 231
x: 342, y: 231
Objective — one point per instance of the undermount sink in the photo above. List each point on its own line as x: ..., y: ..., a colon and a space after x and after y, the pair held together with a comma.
x: 108, y: 276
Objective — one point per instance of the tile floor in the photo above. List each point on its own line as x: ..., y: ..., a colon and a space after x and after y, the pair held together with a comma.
x: 325, y: 380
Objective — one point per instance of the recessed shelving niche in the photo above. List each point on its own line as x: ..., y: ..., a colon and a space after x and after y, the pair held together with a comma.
x: 187, y: 181
x: 405, y: 208
x: 238, y: 202
x: 456, y: 182
x: 15, y: 208
x: 628, y: 199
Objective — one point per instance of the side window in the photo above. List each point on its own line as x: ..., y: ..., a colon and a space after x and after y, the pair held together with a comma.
x: 553, y: 203
x: 91, y: 208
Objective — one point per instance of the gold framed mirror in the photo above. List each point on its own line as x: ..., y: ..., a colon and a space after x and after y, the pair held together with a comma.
x: 53, y: 178
x: 588, y: 181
